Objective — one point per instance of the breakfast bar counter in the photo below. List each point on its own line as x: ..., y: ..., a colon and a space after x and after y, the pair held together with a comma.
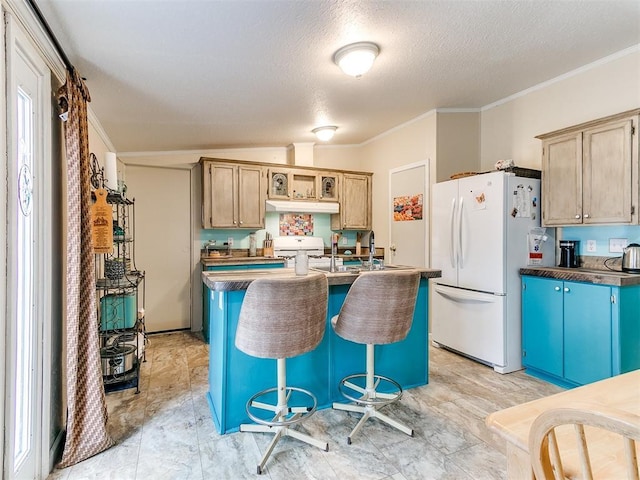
x: 234, y: 376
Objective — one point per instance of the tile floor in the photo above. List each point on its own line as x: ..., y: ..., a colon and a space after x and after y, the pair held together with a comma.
x: 166, y: 432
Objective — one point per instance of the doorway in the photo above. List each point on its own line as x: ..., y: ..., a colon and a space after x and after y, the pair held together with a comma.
x: 163, y: 243
x: 409, y: 219
x: 28, y: 222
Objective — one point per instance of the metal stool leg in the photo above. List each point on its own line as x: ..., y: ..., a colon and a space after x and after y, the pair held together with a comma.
x: 370, y: 400
x: 281, y: 422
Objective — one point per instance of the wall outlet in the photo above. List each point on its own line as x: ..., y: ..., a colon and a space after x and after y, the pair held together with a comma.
x: 591, y: 246
x: 345, y: 240
x: 230, y: 241
x: 617, y: 245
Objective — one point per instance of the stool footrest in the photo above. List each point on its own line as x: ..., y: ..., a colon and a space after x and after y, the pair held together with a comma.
x: 367, y: 397
x: 284, y: 415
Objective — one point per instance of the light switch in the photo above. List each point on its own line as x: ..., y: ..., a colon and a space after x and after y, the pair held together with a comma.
x: 591, y: 246
x: 617, y: 245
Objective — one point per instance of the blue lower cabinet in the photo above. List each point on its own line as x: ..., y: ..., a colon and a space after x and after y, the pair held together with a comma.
x: 587, y: 332
x: 234, y: 376
x: 576, y: 333
x: 542, y: 325
x: 206, y: 292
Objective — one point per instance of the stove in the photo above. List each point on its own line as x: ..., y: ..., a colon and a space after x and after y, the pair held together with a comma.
x: 287, y: 247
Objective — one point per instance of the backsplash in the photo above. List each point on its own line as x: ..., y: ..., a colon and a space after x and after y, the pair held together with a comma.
x: 601, y: 236
x: 321, y: 228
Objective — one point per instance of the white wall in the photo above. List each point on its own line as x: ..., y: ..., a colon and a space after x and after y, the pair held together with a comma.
x: 410, y: 143
x: 508, y: 129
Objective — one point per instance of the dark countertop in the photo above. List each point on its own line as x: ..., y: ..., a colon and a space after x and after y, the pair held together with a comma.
x: 242, y: 260
x: 588, y: 275
x: 225, y: 260
x: 240, y: 279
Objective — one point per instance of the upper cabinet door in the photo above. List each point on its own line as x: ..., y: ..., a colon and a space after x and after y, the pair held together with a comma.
x: 328, y: 187
x: 250, y: 197
x: 224, y: 184
x: 607, y: 173
x: 562, y: 180
x: 279, y: 184
x: 355, y: 205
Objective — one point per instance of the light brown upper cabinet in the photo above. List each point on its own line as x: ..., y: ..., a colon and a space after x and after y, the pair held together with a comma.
x: 328, y: 186
x: 233, y: 195
x: 590, y: 172
x: 298, y: 184
x: 355, y: 203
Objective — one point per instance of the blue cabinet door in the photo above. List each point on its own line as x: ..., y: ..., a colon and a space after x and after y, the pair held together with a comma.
x: 542, y: 325
x: 587, y: 332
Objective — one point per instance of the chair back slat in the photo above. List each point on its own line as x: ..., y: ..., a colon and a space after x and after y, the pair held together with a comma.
x: 583, y: 450
x: 631, y: 459
x: 546, y: 449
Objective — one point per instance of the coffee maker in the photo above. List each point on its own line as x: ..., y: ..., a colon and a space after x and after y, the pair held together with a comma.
x: 569, y: 253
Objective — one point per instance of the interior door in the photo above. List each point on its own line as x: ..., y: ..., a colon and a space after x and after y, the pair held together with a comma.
x: 163, y: 243
x: 409, y: 230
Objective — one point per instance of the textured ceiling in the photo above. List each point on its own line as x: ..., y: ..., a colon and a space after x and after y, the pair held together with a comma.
x: 198, y: 74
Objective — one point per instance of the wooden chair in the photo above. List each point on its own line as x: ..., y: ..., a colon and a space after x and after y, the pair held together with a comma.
x: 586, y: 441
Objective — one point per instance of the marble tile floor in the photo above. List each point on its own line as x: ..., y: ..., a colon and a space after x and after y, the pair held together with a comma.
x: 166, y: 431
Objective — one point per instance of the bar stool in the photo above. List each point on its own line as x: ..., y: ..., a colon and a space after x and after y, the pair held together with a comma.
x: 281, y: 318
x: 378, y: 309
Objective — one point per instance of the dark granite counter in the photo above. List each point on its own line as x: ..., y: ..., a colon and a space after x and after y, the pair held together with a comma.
x: 240, y: 279
x: 600, y: 277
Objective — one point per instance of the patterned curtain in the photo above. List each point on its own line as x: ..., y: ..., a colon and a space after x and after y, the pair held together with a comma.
x: 86, y: 406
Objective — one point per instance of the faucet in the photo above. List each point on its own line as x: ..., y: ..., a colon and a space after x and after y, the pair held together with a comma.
x: 372, y: 249
x: 334, y: 252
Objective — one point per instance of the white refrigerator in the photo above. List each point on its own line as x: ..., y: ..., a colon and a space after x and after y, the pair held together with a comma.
x: 480, y: 238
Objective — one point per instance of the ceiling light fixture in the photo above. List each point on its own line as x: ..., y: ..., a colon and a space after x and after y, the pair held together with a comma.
x: 356, y: 59
x: 325, y: 133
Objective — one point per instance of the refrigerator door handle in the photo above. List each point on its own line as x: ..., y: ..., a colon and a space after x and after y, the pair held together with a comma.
x: 452, y: 239
x: 464, y: 295
x: 460, y: 249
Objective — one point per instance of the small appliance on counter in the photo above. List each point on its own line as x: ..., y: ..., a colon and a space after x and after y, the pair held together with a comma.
x: 569, y: 253
x: 631, y: 258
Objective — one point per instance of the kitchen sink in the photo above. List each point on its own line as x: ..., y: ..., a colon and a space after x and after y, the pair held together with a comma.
x: 354, y: 269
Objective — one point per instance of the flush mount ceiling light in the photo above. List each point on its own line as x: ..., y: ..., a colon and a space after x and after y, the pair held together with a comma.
x: 325, y: 133
x: 356, y: 59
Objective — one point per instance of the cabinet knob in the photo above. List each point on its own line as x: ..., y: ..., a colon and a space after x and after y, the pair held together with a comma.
x: 566, y: 289
x: 577, y: 216
x: 240, y: 222
x: 557, y: 289
x: 586, y: 215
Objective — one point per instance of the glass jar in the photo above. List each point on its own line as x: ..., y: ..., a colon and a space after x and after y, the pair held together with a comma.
x: 302, y: 262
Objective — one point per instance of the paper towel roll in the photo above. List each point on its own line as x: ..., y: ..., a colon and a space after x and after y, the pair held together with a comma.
x: 110, y: 171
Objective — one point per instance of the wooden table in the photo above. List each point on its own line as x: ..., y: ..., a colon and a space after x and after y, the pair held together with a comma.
x: 621, y: 392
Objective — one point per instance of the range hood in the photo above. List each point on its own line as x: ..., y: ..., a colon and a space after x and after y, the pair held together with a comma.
x: 302, y: 206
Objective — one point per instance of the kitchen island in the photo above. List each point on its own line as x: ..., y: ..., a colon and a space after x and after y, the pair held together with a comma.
x: 234, y: 376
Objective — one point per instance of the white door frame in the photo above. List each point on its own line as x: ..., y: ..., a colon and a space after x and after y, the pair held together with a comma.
x: 19, y: 44
x: 426, y: 205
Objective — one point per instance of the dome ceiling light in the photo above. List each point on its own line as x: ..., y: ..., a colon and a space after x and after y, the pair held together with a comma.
x: 325, y: 133
x: 356, y: 59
